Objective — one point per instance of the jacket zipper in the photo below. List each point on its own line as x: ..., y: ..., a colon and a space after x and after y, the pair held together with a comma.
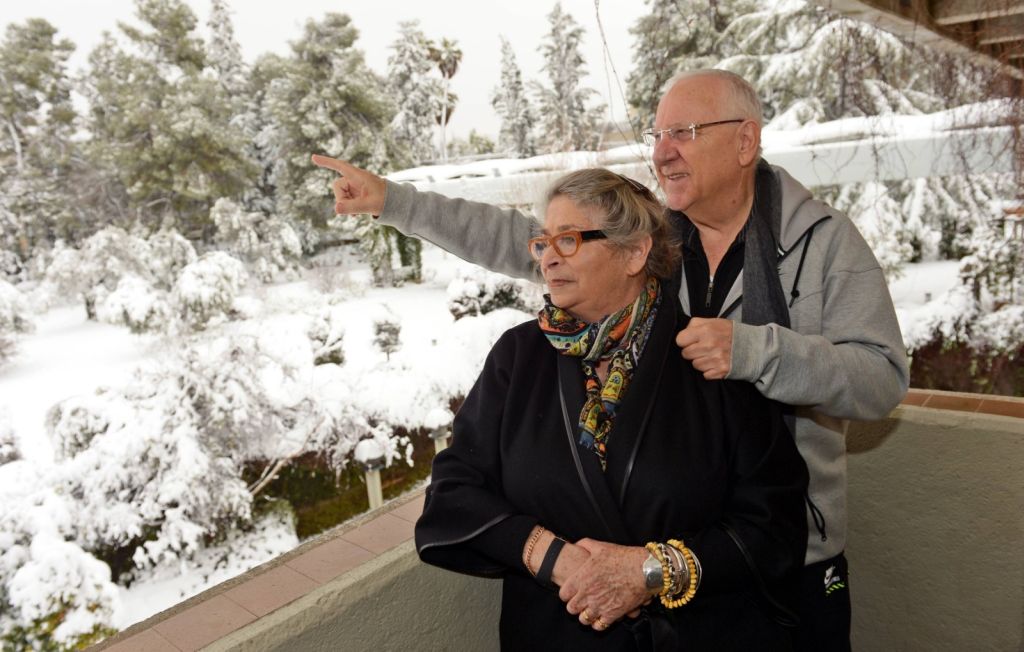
x: 711, y: 287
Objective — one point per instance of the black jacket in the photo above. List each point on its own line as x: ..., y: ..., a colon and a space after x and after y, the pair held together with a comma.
x: 709, y: 462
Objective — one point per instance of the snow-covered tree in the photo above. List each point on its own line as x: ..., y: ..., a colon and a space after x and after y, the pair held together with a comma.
x: 322, y: 98
x: 375, y: 244
x: 36, y: 128
x: 566, y: 122
x: 512, y: 104
x: 675, y: 35
x: 879, y: 218
x: 223, y: 51
x: 416, y: 92
x: 207, y: 289
x: 474, y: 144
x: 165, y: 128
x: 268, y: 245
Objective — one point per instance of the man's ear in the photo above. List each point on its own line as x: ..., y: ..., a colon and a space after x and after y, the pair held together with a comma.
x: 636, y: 256
x: 749, y: 143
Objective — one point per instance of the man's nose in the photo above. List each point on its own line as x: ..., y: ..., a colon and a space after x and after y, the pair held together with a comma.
x: 663, y: 151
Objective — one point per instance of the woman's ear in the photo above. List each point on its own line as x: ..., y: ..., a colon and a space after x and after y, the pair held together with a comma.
x: 636, y: 256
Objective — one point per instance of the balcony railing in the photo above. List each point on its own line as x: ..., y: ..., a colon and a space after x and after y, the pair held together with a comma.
x: 936, y: 503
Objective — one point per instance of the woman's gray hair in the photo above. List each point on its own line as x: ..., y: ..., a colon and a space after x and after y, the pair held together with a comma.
x: 628, y: 211
x: 743, y: 98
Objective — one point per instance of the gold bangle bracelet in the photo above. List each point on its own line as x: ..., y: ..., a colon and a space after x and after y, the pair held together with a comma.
x: 528, y: 555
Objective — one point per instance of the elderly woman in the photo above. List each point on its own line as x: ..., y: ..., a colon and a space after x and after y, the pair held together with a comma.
x: 627, y: 502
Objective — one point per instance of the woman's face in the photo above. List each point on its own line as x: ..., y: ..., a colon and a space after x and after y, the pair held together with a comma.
x: 598, y: 279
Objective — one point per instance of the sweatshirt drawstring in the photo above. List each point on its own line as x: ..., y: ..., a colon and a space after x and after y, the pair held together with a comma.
x: 794, y: 292
x: 819, y: 518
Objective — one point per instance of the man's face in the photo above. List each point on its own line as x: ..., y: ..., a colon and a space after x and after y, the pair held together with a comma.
x: 693, y: 173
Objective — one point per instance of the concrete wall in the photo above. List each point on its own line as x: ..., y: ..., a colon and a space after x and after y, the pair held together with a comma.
x: 390, y: 603
x: 936, y: 502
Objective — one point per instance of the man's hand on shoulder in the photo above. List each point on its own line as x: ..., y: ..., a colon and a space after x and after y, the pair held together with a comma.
x: 356, y: 191
x: 707, y: 343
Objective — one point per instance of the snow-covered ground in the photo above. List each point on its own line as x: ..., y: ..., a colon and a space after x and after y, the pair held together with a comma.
x: 67, y: 356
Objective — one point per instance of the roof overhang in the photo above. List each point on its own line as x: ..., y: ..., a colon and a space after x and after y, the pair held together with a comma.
x: 985, y: 30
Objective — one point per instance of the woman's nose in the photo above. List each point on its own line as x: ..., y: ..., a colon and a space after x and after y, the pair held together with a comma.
x: 549, y: 258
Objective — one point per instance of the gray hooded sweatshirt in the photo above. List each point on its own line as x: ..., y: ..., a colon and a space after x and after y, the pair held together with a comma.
x: 842, y: 358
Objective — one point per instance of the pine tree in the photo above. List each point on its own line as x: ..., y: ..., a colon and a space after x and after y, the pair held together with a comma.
x: 512, y: 104
x: 676, y: 35
x: 322, y: 98
x: 162, y: 127
x: 36, y: 147
x: 416, y: 92
x: 223, y: 52
x: 566, y: 122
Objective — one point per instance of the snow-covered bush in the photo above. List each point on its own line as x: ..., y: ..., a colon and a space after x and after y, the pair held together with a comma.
x: 386, y: 333
x: 53, y: 594
x: 170, y: 253
x: 268, y: 245
x: 479, y: 292
x: 164, y: 478
x: 14, y: 319
x: 9, y: 451
x: 207, y: 288
x: 13, y: 310
x: 95, y: 270
x: 974, y: 339
x: 73, y: 423
x: 327, y: 338
x: 135, y: 303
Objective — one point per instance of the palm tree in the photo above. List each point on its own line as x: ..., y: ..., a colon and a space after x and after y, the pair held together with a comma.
x: 447, y: 56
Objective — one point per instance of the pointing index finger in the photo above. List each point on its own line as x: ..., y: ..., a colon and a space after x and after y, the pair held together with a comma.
x: 341, y: 167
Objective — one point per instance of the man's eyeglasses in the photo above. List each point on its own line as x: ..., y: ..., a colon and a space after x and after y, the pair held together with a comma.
x: 681, y: 134
x: 565, y: 243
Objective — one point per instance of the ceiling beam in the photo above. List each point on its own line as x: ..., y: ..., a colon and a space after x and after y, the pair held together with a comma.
x: 952, y: 12
x: 1001, y: 30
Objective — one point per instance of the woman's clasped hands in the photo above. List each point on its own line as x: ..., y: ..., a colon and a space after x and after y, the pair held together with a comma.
x: 605, y: 584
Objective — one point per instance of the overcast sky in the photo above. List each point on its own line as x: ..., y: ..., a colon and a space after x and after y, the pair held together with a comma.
x: 265, y: 26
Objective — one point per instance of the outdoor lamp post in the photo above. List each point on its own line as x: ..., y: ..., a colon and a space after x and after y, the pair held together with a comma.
x: 439, y: 420
x: 370, y: 456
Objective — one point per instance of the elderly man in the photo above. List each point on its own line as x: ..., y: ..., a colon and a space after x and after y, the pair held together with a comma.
x: 784, y: 291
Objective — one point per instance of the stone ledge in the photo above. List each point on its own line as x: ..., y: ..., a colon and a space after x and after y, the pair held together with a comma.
x: 225, y: 608
x: 1006, y: 406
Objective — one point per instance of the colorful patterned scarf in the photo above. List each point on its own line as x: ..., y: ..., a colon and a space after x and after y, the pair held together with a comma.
x: 620, y: 338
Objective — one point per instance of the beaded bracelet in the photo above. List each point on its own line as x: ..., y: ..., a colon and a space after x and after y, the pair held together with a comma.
x: 691, y: 566
x: 528, y: 555
x: 666, y: 573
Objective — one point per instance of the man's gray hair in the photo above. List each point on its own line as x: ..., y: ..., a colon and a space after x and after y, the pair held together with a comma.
x: 743, y: 98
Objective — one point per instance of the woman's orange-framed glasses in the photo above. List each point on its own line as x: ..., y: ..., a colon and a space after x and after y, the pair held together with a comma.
x: 565, y: 243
